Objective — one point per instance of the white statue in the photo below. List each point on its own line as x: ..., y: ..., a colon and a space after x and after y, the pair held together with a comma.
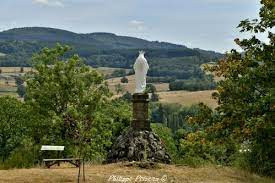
x: 141, y: 67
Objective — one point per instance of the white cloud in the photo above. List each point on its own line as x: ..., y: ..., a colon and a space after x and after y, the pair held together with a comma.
x: 55, y: 3
x: 226, y: 1
x: 8, y: 25
x: 137, y: 25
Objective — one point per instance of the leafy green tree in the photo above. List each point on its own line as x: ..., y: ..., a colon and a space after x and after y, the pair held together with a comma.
x: 70, y: 99
x: 19, y: 80
x: 245, y: 96
x: 21, y: 89
x: 119, y: 88
x: 154, y: 97
x: 150, y: 88
x: 124, y: 80
x: 127, y: 97
x: 13, y: 125
x: 166, y: 136
x: 121, y: 114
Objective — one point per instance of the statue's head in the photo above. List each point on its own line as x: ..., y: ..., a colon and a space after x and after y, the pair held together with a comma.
x: 141, y: 52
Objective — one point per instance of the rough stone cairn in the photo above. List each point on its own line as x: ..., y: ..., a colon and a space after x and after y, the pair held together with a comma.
x: 138, y: 142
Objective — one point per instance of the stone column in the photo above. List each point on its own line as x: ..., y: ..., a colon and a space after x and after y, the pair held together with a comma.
x: 140, y: 112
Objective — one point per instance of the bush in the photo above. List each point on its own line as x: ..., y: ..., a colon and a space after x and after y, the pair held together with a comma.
x: 124, y: 80
x: 24, y: 156
x: 195, y: 146
x: 166, y: 136
x: 13, y: 125
x: 154, y: 97
x: 127, y: 96
x: 150, y: 88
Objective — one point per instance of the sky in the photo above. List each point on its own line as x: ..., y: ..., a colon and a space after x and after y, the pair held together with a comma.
x: 205, y: 24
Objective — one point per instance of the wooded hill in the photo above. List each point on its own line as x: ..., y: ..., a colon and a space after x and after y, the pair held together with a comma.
x: 105, y: 49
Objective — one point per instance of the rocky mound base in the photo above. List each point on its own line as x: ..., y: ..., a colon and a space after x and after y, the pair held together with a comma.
x: 134, y: 145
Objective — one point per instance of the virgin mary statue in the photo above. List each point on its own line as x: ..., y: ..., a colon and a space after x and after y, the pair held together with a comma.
x: 141, y: 67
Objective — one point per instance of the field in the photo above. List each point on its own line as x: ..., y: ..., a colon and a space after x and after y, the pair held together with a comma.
x: 187, y: 98
x: 114, y: 172
x: 7, y: 81
x: 8, y: 87
x: 130, y: 86
x: 15, y: 69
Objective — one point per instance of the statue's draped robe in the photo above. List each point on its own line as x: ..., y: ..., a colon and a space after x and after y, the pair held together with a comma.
x: 141, y: 67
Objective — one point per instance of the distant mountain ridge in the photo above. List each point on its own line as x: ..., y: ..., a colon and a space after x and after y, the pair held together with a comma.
x: 167, y: 60
x: 99, y: 39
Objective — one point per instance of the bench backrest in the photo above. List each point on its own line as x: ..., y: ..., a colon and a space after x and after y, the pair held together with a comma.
x: 52, y: 148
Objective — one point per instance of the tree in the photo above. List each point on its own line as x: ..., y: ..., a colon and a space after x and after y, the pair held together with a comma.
x: 13, y: 125
x: 71, y: 99
x: 119, y: 88
x: 166, y: 136
x: 19, y: 80
x: 245, y: 95
x: 21, y: 89
x: 154, y: 97
x: 124, y: 80
x: 127, y: 97
x: 150, y: 88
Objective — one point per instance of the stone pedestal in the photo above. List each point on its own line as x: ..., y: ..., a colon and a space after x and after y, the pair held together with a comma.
x: 138, y: 142
x: 140, y: 112
x: 133, y: 145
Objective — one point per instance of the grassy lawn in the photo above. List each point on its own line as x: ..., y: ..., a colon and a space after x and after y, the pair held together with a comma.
x: 103, y: 173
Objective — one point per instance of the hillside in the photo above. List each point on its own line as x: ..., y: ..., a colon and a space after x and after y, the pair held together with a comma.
x: 105, y: 50
x: 100, y: 40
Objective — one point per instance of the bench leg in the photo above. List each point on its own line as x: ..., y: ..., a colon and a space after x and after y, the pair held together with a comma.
x: 75, y: 163
x: 49, y: 164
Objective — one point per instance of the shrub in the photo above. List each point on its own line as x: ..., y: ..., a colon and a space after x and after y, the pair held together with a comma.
x: 24, y: 156
x: 166, y: 136
x: 124, y: 80
x: 127, y: 96
x: 195, y: 146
